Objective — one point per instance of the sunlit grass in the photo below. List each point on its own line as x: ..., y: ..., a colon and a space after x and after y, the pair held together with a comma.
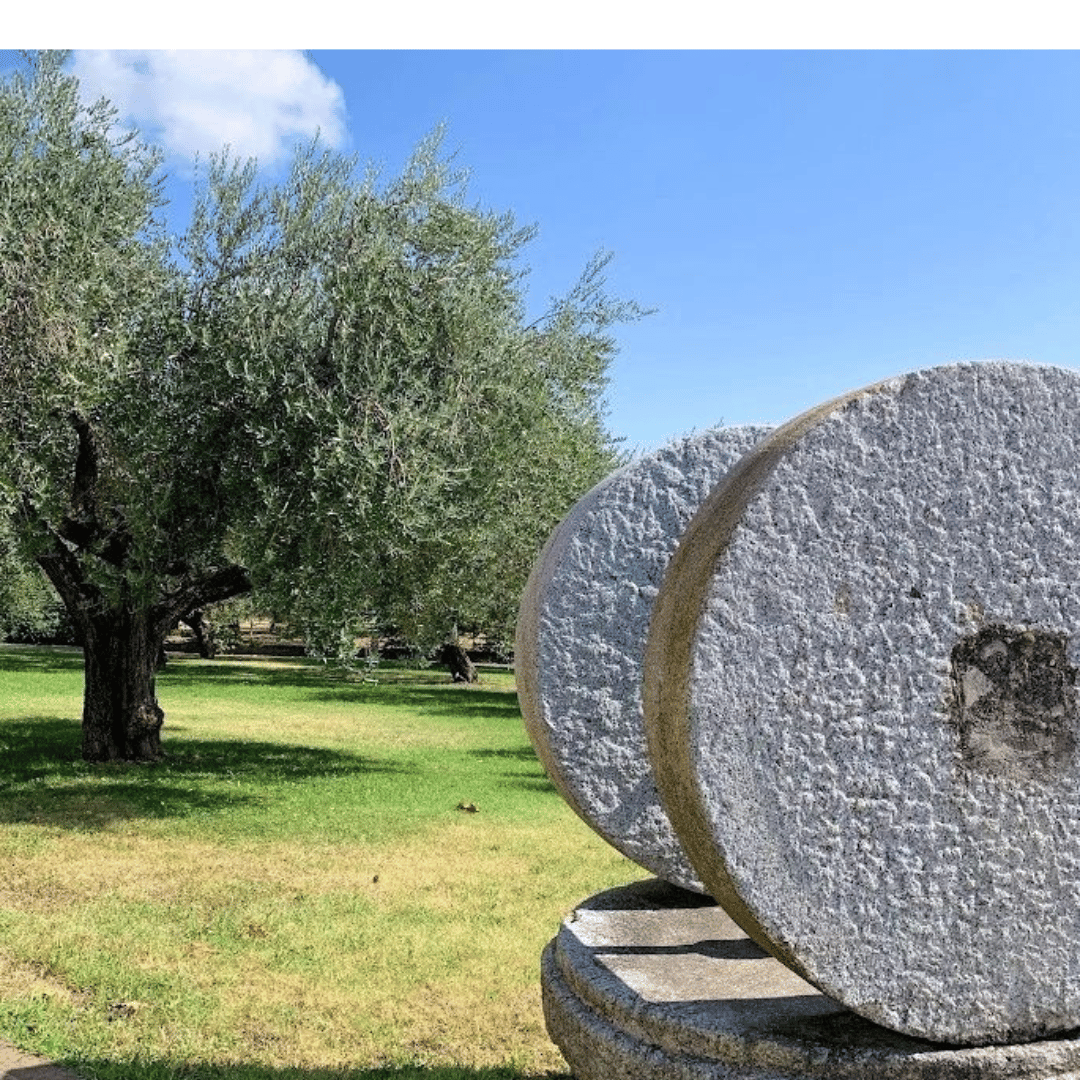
x: 294, y: 892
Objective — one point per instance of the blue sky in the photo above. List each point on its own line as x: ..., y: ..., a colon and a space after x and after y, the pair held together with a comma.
x: 805, y: 222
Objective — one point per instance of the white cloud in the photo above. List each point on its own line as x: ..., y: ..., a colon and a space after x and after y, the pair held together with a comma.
x: 260, y: 102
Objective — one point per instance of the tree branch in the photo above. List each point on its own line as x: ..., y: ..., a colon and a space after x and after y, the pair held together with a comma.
x: 58, y: 571
x: 62, y: 567
x: 83, y: 525
x: 84, y: 487
x: 322, y: 357
x: 211, y: 588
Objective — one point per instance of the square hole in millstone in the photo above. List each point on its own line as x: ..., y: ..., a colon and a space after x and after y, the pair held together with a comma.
x: 1014, y: 702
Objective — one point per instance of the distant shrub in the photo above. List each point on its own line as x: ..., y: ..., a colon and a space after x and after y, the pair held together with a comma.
x: 30, y: 611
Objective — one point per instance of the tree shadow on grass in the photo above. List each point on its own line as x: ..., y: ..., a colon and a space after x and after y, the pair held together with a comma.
x: 446, y: 700
x: 516, y: 753
x: 161, y: 1070
x: 43, y: 779
x: 437, y: 699
x: 430, y: 690
x: 527, y: 773
x: 43, y: 658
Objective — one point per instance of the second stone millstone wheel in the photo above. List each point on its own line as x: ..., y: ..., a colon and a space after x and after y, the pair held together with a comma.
x: 581, y: 637
x: 860, y: 703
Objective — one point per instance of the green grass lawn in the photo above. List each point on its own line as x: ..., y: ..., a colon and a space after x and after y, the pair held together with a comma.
x: 294, y: 892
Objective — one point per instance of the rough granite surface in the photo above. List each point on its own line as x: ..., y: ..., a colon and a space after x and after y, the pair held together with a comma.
x: 582, y: 633
x: 649, y: 983
x: 876, y: 752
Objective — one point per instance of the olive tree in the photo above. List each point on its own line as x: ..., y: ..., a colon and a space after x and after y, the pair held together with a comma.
x: 325, y: 389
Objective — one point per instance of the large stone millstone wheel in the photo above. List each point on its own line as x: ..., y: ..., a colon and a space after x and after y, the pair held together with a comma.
x: 860, y: 703
x: 581, y: 638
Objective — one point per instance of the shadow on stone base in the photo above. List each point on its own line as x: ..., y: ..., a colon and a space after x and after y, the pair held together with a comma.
x: 649, y: 982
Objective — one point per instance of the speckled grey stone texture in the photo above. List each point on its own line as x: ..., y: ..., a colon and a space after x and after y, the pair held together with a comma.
x: 645, y: 983
x: 861, y: 706
x: 581, y: 639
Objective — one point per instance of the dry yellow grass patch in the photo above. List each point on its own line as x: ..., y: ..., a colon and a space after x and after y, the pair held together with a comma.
x: 28, y: 980
x: 422, y: 951
x: 295, y: 887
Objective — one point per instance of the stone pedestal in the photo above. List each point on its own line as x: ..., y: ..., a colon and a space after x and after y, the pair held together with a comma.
x: 650, y: 982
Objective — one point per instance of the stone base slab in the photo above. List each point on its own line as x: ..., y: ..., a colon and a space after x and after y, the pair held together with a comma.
x: 650, y: 982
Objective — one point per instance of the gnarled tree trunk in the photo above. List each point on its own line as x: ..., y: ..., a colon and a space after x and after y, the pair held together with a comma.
x: 457, y: 660
x: 121, y: 644
x: 121, y: 716
x: 202, y: 628
x: 123, y: 625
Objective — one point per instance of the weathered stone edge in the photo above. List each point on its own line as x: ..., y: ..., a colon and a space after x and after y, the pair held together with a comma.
x: 526, y: 672
x: 669, y: 658
x: 596, y: 1049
